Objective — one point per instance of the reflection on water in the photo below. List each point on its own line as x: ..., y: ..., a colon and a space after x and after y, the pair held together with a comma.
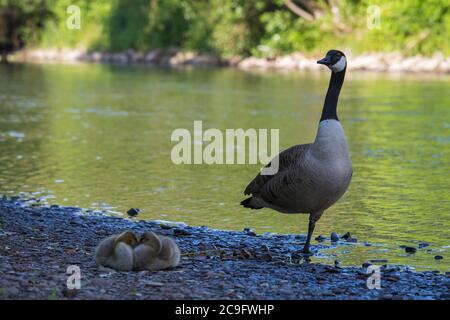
x: 99, y: 136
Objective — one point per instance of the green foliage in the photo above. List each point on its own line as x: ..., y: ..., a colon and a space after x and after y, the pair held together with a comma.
x: 93, y: 32
x: 244, y: 27
x: 20, y: 21
x: 237, y: 25
x: 415, y: 25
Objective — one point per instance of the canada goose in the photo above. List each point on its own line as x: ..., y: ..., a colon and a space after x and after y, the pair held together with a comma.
x: 116, y: 251
x: 311, y: 177
x: 155, y: 252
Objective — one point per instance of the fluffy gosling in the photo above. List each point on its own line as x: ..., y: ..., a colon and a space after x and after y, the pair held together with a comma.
x: 155, y: 252
x: 116, y: 251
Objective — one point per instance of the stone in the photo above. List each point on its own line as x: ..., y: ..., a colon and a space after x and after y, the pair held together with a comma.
x: 346, y: 236
x: 410, y: 249
x: 180, y: 232
x: 386, y: 296
x: 438, y: 257
x: 334, y: 237
x: 379, y: 260
x: 69, y: 293
x: 320, y: 238
x: 133, y: 212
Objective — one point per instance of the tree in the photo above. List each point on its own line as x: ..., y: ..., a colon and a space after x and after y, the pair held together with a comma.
x: 19, y: 20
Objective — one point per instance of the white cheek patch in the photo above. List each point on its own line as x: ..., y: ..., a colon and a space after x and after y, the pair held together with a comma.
x: 340, y: 65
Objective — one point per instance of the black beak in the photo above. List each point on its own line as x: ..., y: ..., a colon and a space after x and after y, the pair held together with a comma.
x: 326, y: 61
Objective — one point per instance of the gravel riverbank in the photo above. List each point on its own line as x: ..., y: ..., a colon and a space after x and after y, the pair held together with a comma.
x: 37, y: 244
x: 394, y: 62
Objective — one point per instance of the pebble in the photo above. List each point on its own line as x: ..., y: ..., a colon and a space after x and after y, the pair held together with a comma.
x: 386, y: 296
x: 180, y: 232
x: 133, y: 212
x: 392, y: 278
x: 438, y: 257
x: 320, y: 238
x: 334, y: 237
x: 153, y: 284
x: 13, y: 291
x: 346, y: 236
x: 410, y: 250
x: 379, y: 260
x: 5, y: 266
x: 264, y: 271
x: 69, y: 293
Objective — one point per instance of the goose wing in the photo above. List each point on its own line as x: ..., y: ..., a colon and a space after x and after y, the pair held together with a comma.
x: 287, y: 160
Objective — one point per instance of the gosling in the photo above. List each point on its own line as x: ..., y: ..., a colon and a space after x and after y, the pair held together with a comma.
x: 116, y: 251
x: 155, y: 252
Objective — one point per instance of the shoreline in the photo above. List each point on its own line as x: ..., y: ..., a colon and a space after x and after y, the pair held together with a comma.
x: 37, y: 244
x: 379, y: 62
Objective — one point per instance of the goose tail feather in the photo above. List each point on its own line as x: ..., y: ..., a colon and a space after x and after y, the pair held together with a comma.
x: 250, y: 203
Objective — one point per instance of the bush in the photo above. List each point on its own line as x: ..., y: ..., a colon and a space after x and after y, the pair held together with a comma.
x: 244, y: 27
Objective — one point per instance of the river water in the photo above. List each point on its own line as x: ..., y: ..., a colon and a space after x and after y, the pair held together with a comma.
x: 99, y: 136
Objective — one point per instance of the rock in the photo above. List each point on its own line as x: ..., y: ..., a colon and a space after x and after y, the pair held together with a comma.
x: 133, y: 212
x: 4, y: 266
x: 346, y: 236
x: 266, y: 257
x: 423, y: 245
x: 410, y: 250
x: 153, y: 284
x: 379, y: 260
x: 392, y: 278
x: 13, y: 291
x: 106, y: 270
x: 69, y: 293
x: 320, y: 238
x: 170, y: 224
x: 334, y: 237
x: 101, y: 283
x: 251, y: 233
x: 438, y: 257
x: 180, y: 232
x: 386, y: 296
x: 445, y: 296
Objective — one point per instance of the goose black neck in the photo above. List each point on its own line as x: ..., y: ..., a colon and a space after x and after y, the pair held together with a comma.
x: 331, y: 100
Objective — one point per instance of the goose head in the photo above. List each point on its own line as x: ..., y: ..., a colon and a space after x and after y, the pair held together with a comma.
x: 335, y: 60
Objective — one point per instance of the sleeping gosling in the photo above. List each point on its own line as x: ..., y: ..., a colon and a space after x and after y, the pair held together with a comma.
x: 155, y: 252
x: 116, y: 251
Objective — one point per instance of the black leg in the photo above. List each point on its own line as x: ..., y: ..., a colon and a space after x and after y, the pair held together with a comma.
x: 313, y: 218
x: 311, y: 226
